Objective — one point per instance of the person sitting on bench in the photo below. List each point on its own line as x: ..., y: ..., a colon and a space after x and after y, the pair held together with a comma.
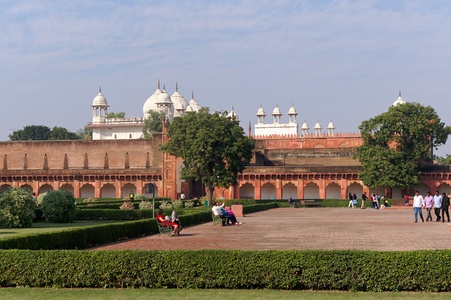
x: 166, y: 222
x: 218, y: 210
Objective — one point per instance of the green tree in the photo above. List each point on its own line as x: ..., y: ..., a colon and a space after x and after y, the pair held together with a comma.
x: 113, y: 115
x: 59, y: 206
x: 213, y: 147
x: 61, y: 133
x: 397, y: 143
x: 31, y: 132
x: 152, y: 124
x: 16, y: 208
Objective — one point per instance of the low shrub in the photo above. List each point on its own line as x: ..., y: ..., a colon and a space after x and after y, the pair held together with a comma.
x: 59, y: 206
x: 16, y: 208
x: 165, y: 204
x: 285, y: 270
x: 145, y: 205
x: 177, y: 204
x: 127, y: 205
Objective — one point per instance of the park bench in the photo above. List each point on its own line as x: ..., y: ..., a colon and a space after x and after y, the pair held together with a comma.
x: 216, y: 219
x: 309, y: 203
x: 164, y: 229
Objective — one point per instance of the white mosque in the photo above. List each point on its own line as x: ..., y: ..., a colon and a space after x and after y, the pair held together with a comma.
x: 104, y: 128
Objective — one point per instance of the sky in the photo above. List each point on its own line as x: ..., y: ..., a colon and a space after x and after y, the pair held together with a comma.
x: 340, y: 61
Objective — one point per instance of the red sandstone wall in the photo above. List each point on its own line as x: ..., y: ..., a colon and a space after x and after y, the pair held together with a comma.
x: 140, y: 153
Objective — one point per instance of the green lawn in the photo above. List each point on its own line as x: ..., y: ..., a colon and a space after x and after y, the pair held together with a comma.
x: 41, y: 227
x: 186, y: 294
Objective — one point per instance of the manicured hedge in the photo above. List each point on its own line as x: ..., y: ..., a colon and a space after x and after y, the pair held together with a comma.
x: 90, y: 236
x: 290, y: 270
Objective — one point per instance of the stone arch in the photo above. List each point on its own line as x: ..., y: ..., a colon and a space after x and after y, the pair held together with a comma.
x: 318, y: 146
x: 45, y: 188
x: 311, y: 191
x: 289, y: 190
x: 444, y: 188
x: 127, y: 188
x: 423, y: 189
x: 87, y: 191
x: 379, y: 190
x: 108, y: 190
x: 67, y: 187
x: 4, y: 187
x: 343, y: 145
x: 268, y: 191
x: 333, y: 191
x: 147, y: 192
x: 247, y: 191
x: 27, y: 187
x: 355, y: 188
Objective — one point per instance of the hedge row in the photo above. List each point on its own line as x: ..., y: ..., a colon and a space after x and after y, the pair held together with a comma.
x: 90, y: 236
x: 289, y: 270
x: 119, y: 214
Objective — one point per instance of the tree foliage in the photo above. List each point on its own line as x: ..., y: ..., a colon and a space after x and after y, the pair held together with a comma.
x: 42, y: 133
x: 213, y: 147
x: 152, y: 124
x: 59, y: 206
x: 113, y: 115
x: 397, y: 143
x: 16, y: 208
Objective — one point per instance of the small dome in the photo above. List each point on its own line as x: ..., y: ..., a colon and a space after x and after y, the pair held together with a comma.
x: 276, y: 111
x: 193, y: 104
x: 260, y: 112
x: 292, y: 110
x: 331, y: 125
x: 305, y: 126
x: 399, y: 100
x: 189, y: 109
x: 99, y: 100
x: 177, y: 98
x: 164, y: 99
x: 318, y: 126
x: 232, y: 114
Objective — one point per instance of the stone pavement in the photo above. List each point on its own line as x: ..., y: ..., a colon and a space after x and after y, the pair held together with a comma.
x: 307, y: 228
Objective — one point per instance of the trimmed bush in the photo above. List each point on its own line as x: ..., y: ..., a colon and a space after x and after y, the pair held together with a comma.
x: 285, y: 270
x: 59, y: 206
x: 16, y: 208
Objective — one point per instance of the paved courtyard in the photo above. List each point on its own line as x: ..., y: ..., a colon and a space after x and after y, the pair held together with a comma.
x: 307, y: 228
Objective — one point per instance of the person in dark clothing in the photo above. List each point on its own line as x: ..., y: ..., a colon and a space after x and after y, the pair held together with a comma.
x: 445, y: 206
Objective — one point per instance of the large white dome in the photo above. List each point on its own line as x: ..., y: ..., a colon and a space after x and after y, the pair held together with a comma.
x: 151, y: 102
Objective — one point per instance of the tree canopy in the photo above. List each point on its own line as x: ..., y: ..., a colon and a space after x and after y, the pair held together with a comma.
x: 397, y: 143
x: 213, y: 147
x: 113, y: 115
x: 152, y: 124
x: 41, y: 132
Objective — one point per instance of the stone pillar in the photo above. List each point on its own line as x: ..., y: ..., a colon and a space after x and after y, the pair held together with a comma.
x: 118, y: 187
x: 257, y: 189
x: 344, y: 188
x: 300, y: 188
x: 77, y: 192
x: 139, y: 186
x: 322, y: 189
x: 97, y: 189
x: 279, y: 189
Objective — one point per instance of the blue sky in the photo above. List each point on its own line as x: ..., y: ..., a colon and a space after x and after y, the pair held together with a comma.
x: 343, y: 61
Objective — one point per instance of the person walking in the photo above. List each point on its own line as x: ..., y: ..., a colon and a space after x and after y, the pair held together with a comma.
x: 364, y: 197
x: 428, y: 202
x: 445, y: 207
x: 418, y: 204
x: 351, y: 204
x: 437, y: 205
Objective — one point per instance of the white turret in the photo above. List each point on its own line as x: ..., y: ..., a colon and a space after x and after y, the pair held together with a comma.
x: 99, y: 108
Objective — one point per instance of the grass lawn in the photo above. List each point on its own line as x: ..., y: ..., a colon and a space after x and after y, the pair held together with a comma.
x: 187, y: 294
x: 41, y: 227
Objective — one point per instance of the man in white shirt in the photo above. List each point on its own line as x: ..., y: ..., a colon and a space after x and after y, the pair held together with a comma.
x: 437, y: 205
x: 418, y: 204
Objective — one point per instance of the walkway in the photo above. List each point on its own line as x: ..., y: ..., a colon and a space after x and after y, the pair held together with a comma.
x: 307, y: 228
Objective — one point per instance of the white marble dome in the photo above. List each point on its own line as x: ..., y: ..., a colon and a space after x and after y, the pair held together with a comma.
x: 331, y: 125
x: 276, y: 111
x: 305, y: 126
x: 292, y: 110
x: 261, y: 112
x: 151, y: 102
x: 99, y: 100
x: 399, y: 100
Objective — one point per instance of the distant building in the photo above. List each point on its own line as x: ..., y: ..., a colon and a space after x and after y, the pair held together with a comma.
x: 104, y: 128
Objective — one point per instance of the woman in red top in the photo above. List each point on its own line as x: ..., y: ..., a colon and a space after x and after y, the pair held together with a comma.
x: 162, y: 220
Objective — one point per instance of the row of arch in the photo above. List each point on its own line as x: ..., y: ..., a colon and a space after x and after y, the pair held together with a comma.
x: 87, y: 190
x: 332, y: 191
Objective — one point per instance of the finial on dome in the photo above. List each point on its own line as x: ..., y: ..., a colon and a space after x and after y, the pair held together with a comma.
x: 158, y: 83
x: 100, y: 89
x: 399, y: 93
x: 164, y: 87
x: 176, y: 87
x: 192, y: 94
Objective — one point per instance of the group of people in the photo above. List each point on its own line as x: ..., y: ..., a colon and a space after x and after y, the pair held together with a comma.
x: 440, y: 204
x: 173, y: 222
x: 225, y: 213
x: 375, y: 201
